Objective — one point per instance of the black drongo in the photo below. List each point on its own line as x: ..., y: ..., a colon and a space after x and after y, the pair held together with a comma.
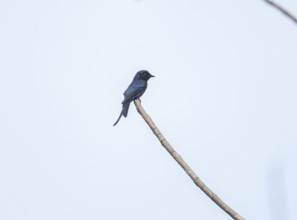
x: 134, y: 91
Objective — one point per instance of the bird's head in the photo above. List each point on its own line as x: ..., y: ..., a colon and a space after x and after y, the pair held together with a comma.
x: 143, y: 74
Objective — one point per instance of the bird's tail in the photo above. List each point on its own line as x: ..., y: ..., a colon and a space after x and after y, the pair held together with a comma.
x: 123, y: 112
x: 125, y: 109
x: 118, y: 118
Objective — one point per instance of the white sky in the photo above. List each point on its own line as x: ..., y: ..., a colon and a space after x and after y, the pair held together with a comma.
x: 224, y: 96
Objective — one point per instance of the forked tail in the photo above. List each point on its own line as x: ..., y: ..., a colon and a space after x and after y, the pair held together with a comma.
x: 123, y: 112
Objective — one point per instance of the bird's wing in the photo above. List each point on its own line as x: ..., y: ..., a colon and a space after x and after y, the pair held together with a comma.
x: 135, y: 90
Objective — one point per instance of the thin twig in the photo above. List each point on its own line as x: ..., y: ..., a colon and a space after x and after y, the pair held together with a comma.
x: 290, y: 15
x: 184, y: 165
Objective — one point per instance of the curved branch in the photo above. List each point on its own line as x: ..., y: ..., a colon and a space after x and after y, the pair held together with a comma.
x: 288, y: 14
x: 184, y: 165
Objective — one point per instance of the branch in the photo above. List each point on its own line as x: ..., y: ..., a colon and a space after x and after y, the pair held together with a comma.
x: 184, y: 165
x: 282, y: 10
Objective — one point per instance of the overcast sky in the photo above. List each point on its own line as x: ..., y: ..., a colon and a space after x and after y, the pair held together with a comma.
x: 224, y: 96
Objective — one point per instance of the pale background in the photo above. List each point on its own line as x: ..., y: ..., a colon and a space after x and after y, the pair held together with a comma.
x: 224, y: 96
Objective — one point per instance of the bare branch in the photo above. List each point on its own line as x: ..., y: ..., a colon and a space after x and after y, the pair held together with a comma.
x: 184, y: 165
x: 290, y: 15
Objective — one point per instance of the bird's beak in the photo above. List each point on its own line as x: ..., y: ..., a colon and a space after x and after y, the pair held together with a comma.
x: 152, y: 76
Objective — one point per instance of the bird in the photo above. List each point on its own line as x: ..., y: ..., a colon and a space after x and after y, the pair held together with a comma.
x: 134, y: 91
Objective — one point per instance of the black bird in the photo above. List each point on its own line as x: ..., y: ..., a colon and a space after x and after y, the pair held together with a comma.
x: 134, y: 91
